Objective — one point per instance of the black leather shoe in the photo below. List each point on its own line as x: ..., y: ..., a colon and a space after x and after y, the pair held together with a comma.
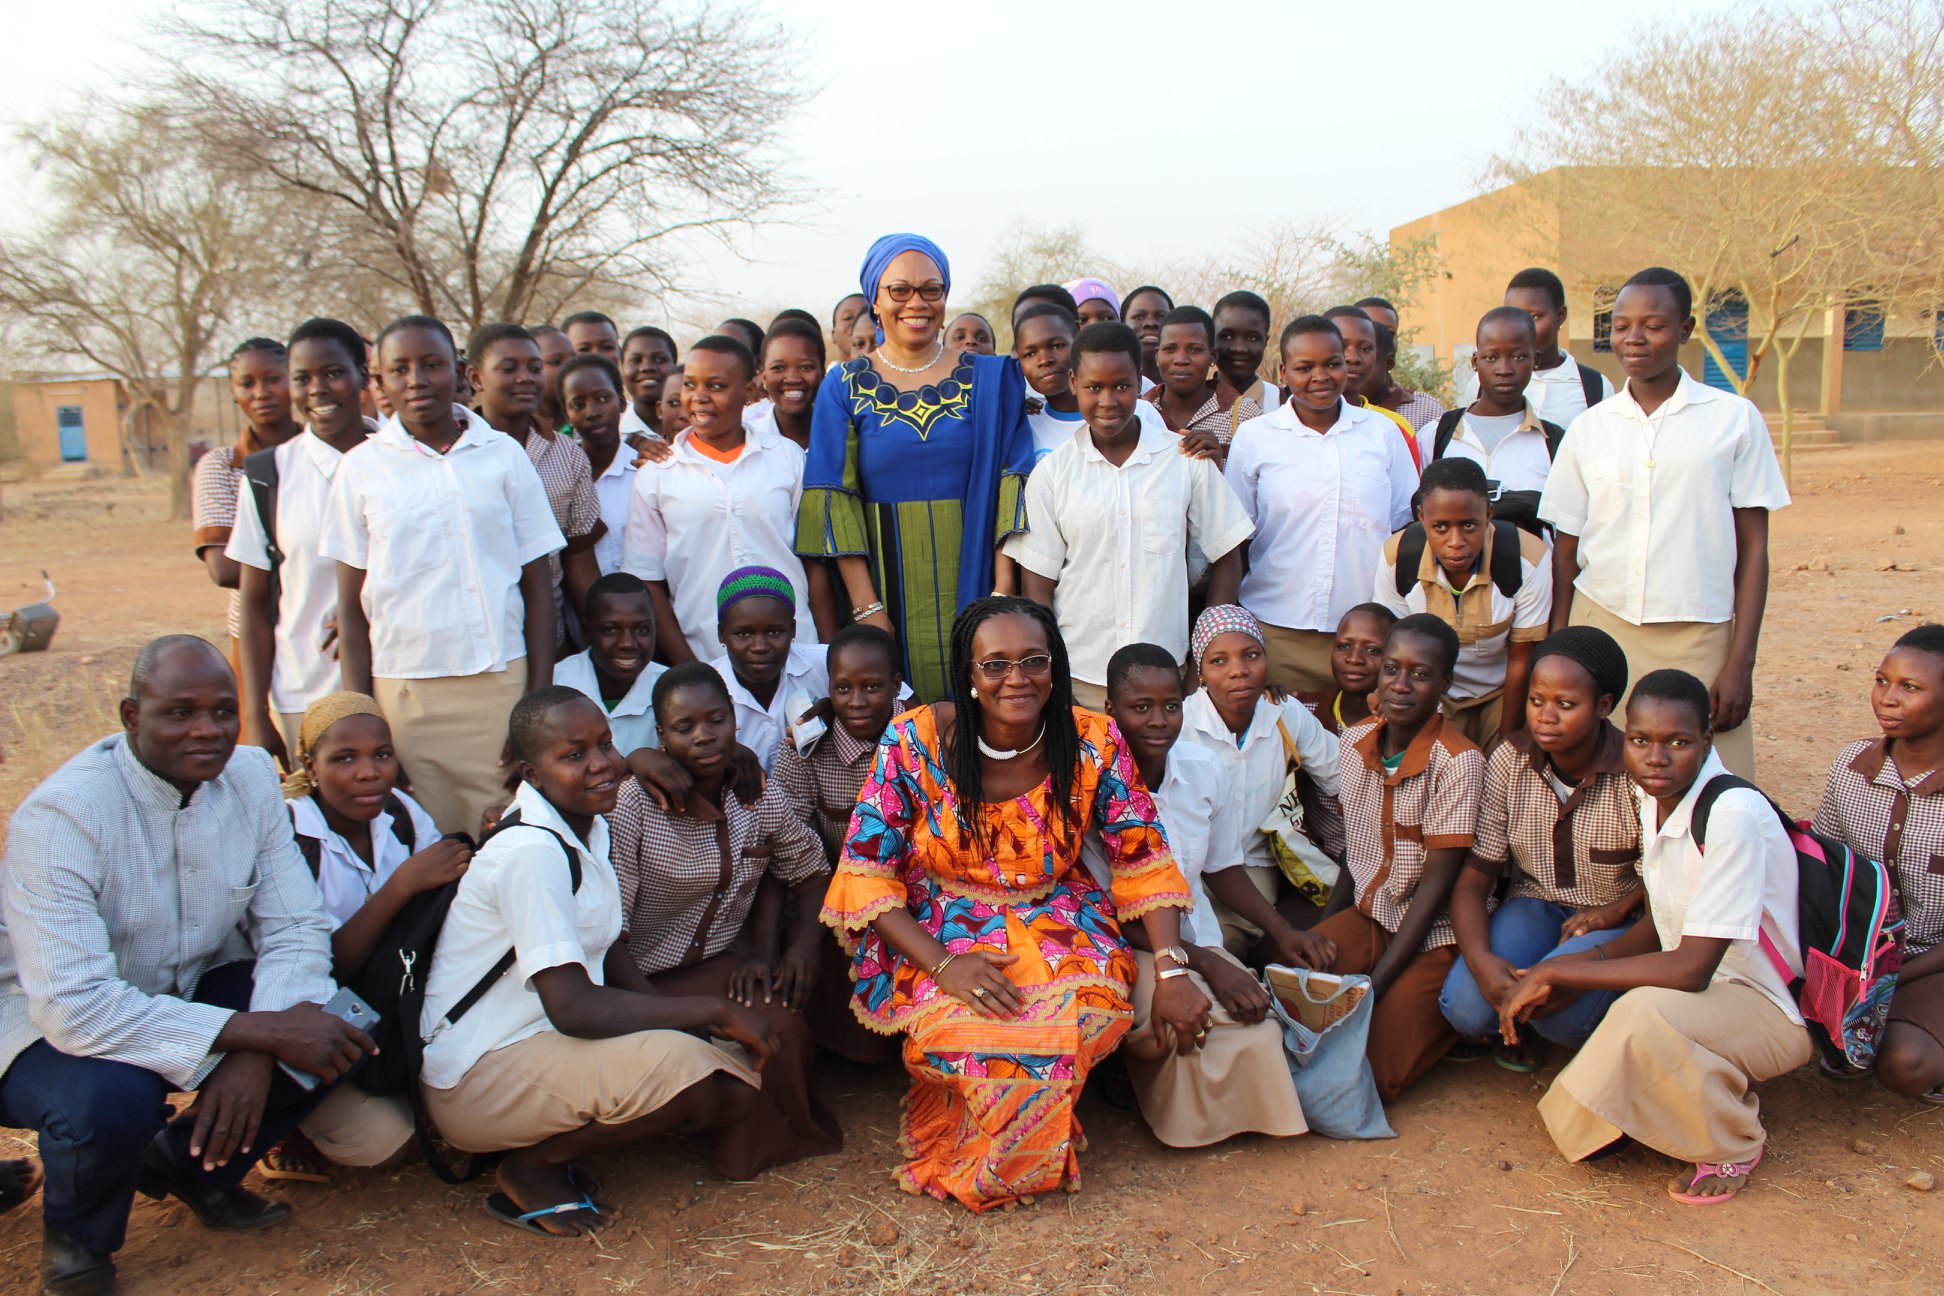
x: 70, y: 1269
x: 229, y: 1210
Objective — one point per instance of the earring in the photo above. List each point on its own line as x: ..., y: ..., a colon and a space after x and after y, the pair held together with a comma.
x: 975, y: 690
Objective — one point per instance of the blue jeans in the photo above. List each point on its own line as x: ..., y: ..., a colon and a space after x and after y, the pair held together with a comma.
x: 1525, y: 930
x: 96, y: 1116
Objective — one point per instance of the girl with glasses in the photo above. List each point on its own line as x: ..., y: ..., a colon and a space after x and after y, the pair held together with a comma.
x: 977, y: 929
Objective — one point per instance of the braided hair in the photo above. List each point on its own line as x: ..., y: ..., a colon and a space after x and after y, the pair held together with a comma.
x: 962, y: 761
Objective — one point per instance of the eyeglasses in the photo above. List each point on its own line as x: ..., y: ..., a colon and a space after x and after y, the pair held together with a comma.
x: 997, y: 669
x: 901, y: 292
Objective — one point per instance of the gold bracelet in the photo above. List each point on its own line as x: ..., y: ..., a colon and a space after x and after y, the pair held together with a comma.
x: 943, y: 964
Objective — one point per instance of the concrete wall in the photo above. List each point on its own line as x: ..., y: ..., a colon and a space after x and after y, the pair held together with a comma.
x: 38, y: 433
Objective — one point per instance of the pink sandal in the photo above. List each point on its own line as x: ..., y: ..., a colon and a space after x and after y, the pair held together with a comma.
x: 1730, y: 1171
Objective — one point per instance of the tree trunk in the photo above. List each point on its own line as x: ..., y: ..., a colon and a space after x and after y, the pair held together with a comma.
x: 180, y: 470
x: 135, y: 457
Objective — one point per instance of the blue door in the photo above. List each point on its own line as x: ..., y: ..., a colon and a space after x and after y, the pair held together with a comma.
x: 1728, y: 326
x: 74, y: 436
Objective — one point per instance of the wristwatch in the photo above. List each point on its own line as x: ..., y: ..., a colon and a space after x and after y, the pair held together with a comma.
x: 1175, y: 952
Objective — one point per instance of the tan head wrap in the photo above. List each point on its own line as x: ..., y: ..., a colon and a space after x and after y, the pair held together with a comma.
x: 318, y: 718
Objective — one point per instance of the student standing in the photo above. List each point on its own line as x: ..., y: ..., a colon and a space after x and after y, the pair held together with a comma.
x: 971, y: 332
x: 1116, y: 510
x: 1094, y: 302
x: 1562, y: 388
x: 1365, y: 371
x: 555, y: 351
x: 289, y: 603
x: 1242, y: 324
x: 1043, y: 344
x: 259, y: 383
x: 726, y: 497
x: 1409, y: 787
x: 1416, y: 408
x: 618, y: 669
x: 589, y: 330
x: 590, y: 396
x: 1325, y: 482
x: 1559, y: 816
x: 790, y: 371
x: 1238, y: 1081
x: 843, y: 319
x: 1704, y: 1012
x: 441, y: 531
x: 1453, y: 562
x: 1144, y: 310
x: 507, y: 374
x: 648, y: 356
x: 1660, y: 503
x: 568, y: 1052
x: 1191, y: 403
x: 1500, y: 428
x: 1885, y: 800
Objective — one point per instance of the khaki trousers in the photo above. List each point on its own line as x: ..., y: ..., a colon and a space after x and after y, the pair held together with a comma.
x: 1477, y: 718
x: 1299, y: 660
x: 354, y: 1128
x: 1673, y: 1069
x: 1698, y: 647
x: 449, y: 734
x: 1408, y: 1031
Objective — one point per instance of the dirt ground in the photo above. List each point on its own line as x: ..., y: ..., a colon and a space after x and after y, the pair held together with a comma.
x: 1471, y: 1197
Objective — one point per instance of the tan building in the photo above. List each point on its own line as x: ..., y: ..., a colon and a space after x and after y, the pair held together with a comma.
x: 1881, y: 378
x: 87, y: 419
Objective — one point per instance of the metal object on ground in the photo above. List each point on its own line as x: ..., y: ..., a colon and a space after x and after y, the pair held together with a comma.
x: 30, y: 628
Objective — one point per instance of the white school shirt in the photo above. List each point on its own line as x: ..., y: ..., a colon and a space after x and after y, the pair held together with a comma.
x: 441, y: 539
x: 1255, y: 767
x: 517, y: 894
x: 615, y: 491
x: 1520, y: 462
x: 1742, y: 885
x: 1116, y: 539
x: 632, y: 423
x: 632, y: 719
x: 1051, y: 429
x: 1205, y: 832
x: 1652, y: 500
x: 762, y: 728
x: 301, y: 671
x: 692, y: 521
x: 1485, y: 634
x: 1323, y: 504
x: 345, y: 880
x: 1555, y: 394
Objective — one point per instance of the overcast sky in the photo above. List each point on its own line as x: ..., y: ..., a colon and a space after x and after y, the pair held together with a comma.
x: 1164, y: 129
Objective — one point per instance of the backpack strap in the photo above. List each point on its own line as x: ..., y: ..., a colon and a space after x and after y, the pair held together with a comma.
x: 401, y: 822
x: 1554, y: 435
x: 1447, y: 428
x: 473, y: 996
x: 260, y: 470
x: 1592, y: 385
x: 1698, y: 829
x: 1410, y: 557
x: 1507, y: 571
x: 309, y: 847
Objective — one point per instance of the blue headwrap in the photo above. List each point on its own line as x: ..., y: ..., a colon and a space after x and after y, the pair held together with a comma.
x: 882, y: 254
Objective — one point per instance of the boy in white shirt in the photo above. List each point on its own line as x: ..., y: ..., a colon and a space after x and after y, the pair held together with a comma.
x: 1706, y: 1011
x: 1238, y: 1080
x: 618, y: 669
x: 773, y: 680
x: 1562, y: 388
x: 566, y: 1052
x: 1114, y: 513
x: 1487, y: 580
x: 1499, y: 427
x: 723, y: 498
x: 1659, y: 503
x: 442, y: 534
x: 287, y: 590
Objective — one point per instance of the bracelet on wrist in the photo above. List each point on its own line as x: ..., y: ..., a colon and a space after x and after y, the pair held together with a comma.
x: 868, y: 610
x: 942, y: 964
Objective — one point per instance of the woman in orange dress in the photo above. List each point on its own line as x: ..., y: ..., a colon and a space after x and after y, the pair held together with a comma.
x: 976, y: 929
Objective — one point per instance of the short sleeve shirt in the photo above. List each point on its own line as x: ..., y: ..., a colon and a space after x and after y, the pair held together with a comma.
x: 212, y: 511
x: 1872, y: 806
x: 1393, y: 818
x: 1488, y: 620
x: 1579, y: 852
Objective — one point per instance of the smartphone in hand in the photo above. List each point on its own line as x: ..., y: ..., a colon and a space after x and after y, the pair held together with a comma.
x: 347, y: 1007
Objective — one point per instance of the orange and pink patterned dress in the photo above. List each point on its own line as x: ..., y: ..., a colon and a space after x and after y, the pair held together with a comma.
x: 990, y: 1114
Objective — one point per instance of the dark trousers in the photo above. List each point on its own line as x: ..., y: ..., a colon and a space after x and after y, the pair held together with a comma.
x: 95, y: 1116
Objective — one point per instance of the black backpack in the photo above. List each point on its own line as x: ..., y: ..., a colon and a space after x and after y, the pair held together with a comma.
x: 1507, y: 573
x: 1520, y: 508
x: 1448, y: 428
x: 312, y: 848
x: 1592, y: 385
x: 260, y: 470
x: 393, y: 982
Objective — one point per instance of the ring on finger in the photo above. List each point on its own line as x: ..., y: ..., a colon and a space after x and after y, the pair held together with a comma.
x: 978, y: 992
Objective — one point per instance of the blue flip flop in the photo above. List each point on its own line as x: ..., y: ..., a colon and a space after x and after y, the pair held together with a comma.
x: 508, y: 1211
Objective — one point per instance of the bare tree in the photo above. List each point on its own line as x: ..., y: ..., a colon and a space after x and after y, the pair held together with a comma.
x: 494, y: 161
x: 1790, y: 162
x: 139, y: 262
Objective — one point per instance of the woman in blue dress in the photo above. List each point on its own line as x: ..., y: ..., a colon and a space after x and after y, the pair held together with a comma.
x: 917, y: 466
